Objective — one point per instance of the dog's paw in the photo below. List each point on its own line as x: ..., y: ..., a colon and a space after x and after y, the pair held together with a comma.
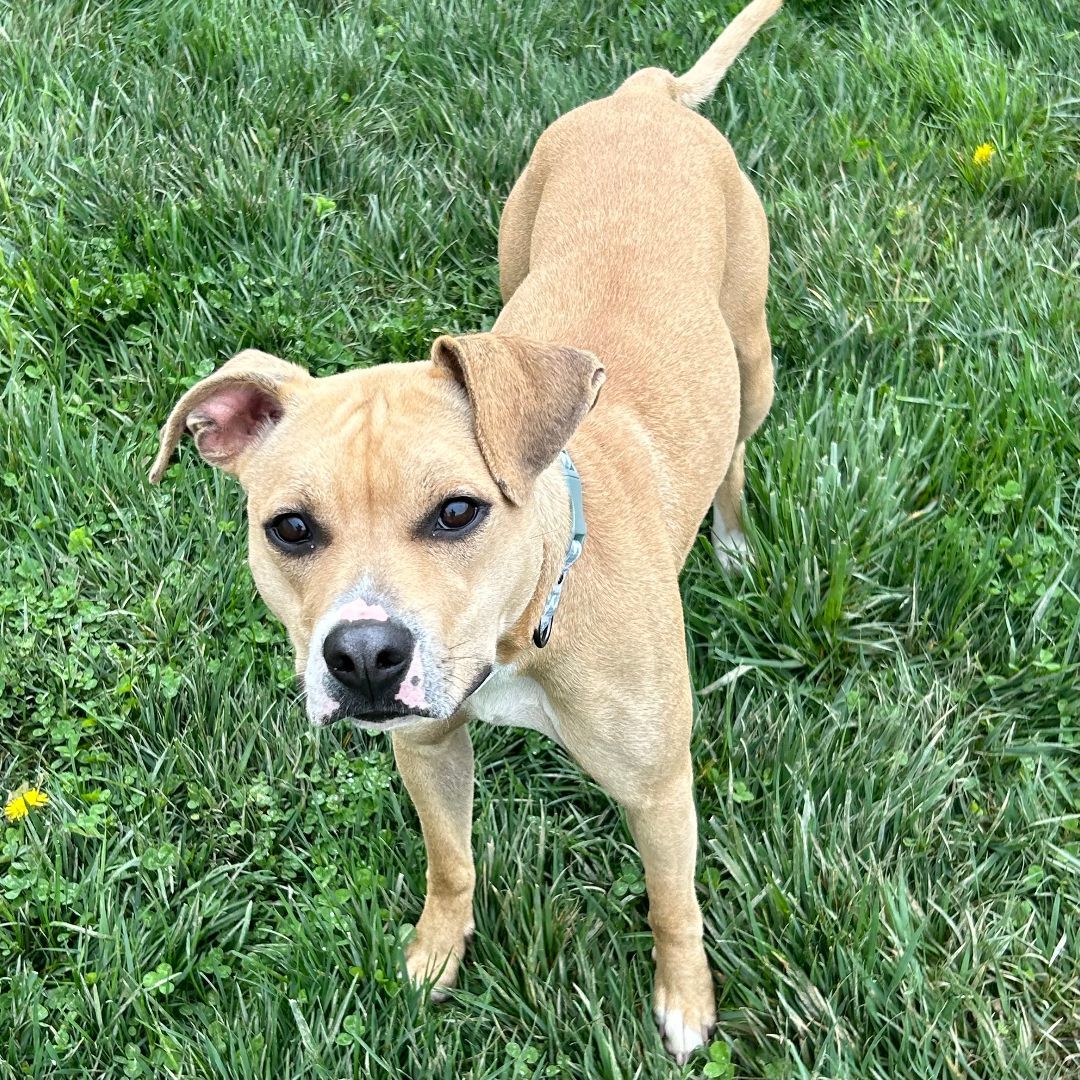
x: 435, y: 964
x: 685, y: 1016
x: 731, y: 550
x: 681, y: 1038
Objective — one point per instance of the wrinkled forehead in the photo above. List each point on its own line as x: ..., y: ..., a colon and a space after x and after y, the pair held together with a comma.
x: 368, y: 440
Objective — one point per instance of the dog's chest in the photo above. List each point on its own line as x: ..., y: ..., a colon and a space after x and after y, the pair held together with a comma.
x: 511, y: 700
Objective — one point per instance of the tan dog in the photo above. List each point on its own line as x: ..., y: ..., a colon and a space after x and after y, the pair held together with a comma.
x: 407, y: 523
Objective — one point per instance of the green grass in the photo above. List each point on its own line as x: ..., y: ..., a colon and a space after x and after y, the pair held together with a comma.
x: 888, y: 736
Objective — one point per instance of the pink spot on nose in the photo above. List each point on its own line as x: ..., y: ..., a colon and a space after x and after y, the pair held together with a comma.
x: 355, y: 610
x: 411, y: 691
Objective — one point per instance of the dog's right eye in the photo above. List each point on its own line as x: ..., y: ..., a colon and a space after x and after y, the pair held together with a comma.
x: 292, y: 534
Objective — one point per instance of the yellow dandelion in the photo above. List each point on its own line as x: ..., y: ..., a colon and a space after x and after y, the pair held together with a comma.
x: 18, y: 806
x: 983, y: 154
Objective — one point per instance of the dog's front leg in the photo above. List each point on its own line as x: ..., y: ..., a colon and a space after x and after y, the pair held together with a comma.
x: 438, y: 774
x: 664, y: 826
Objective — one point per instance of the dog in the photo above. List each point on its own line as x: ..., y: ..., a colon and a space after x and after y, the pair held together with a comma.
x: 485, y: 536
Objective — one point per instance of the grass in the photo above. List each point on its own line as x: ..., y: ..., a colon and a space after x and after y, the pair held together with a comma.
x: 888, y: 739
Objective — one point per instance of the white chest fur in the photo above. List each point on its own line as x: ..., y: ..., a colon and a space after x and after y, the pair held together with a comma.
x: 511, y: 700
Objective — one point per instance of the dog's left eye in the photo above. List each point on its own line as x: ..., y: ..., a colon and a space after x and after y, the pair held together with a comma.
x: 456, y: 515
x: 292, y: 533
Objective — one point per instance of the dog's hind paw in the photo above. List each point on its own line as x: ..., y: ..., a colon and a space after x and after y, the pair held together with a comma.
x: 731, y: 549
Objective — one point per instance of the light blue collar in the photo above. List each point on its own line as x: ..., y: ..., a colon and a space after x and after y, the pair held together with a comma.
x: 573, y: 551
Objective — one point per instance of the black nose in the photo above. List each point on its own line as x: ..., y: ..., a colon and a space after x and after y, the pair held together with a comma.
x: 370, y: 658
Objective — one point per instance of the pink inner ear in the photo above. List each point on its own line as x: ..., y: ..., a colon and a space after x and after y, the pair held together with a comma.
x: 227, y: 422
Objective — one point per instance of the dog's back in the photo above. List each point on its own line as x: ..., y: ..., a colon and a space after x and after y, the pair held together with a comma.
x: 633, y: 233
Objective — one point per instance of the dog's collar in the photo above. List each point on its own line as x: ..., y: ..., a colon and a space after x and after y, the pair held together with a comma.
x: 573, y: 551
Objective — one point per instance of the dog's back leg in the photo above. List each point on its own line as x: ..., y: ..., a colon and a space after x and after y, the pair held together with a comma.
x: 742, y: 301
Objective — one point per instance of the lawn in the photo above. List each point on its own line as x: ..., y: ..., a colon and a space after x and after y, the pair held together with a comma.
x: 888, y: 730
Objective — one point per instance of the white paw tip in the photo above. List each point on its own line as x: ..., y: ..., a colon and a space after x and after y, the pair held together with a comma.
x: 680, y: 1039
x: 730, y: 548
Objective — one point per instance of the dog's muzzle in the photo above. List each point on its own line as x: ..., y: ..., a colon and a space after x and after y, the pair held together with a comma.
x: 377, y: 666
x: 373, y: 669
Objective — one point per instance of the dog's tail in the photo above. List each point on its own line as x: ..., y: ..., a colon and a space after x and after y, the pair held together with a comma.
x: 699, y: 83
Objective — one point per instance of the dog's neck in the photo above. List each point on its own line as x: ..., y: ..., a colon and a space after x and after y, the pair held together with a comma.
x: 556, y: 526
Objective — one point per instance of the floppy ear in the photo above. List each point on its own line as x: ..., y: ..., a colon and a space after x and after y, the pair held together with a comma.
x: 231, y: 410
x: 527, y: 400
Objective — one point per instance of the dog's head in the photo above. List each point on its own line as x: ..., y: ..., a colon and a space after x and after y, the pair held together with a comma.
x: 393, y: 524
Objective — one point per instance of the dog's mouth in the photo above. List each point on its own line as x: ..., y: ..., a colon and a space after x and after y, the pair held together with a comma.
x: 482, y: 677
x: 390, y: 718
x: 376, y: 720
x: 383, y: 722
